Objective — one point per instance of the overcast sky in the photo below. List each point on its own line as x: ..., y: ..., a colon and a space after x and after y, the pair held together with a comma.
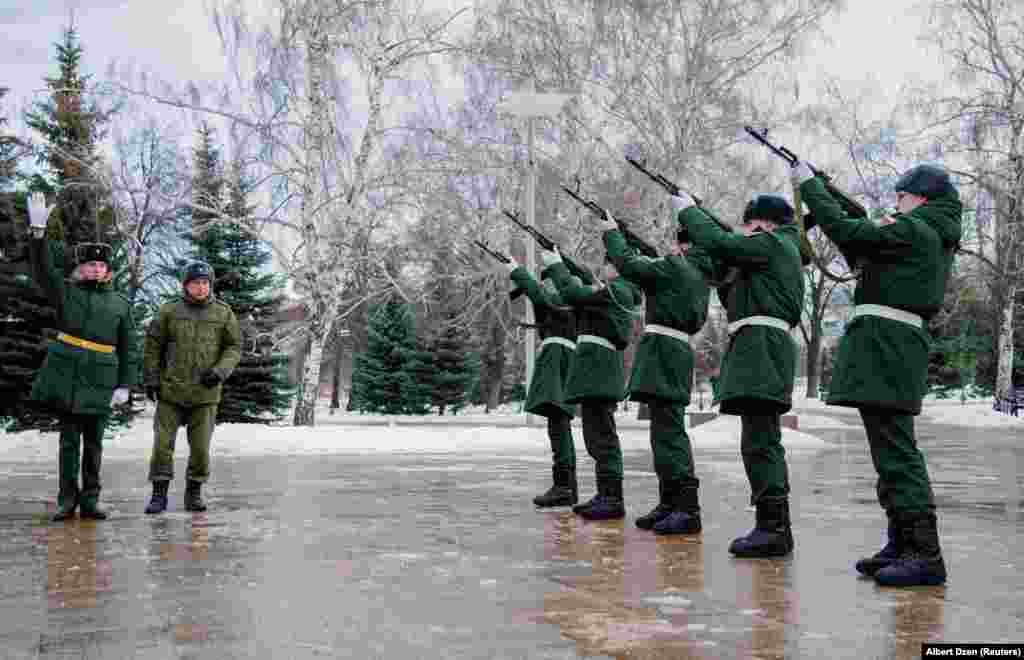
x: 871, y: 41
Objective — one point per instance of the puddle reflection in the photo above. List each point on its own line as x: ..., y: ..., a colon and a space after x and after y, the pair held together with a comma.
x: 917, y: 616
x: 635, y: 600
x: 74, y: 575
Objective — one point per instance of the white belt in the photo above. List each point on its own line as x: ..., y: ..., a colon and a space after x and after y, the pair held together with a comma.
x: 594, y: 339
x: 888, y: 312
x: 655, y: 329
x: 558, y: 340
x: 769, y: 321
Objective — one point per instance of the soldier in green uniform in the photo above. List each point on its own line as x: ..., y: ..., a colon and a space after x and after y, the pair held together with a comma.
x: 91, y: 365
x: 882, y: 363
x: 763, y: 303
x: 677, y: 306
x: 604, y: 322
x: 192, y: 346
x: 556, y: 323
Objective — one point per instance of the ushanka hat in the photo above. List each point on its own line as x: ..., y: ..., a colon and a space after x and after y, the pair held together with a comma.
x: 769, y: 207
x: 928, y: 181
x: 197, y: 270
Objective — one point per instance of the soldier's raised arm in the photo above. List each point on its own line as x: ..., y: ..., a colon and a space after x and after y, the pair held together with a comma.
x: 47, y: 257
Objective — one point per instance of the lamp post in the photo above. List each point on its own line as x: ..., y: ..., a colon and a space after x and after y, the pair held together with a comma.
x: 531, y: 104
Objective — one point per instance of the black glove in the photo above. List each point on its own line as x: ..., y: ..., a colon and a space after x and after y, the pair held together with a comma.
x: 153, y: 392
x: 210, y: 378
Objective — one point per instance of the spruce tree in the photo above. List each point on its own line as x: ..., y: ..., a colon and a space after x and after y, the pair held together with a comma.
x: 258, y: 390
x: 71, y: 127
x: 389, y: 377
x: 455, y: 365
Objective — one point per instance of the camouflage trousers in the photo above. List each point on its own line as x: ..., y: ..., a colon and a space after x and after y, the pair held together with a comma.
x: 198, y: 422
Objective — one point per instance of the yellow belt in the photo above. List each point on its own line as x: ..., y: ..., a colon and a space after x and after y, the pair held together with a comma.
x: 84, y: 343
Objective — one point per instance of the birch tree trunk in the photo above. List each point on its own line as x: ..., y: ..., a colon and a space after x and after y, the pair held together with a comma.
x: 315, y: 136
x: 1004, y: 345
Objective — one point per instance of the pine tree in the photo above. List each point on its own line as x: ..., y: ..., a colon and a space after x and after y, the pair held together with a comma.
x: 71, y: 128
x: 389, y: 377
x: 456, y: 367
x: 258, y: 390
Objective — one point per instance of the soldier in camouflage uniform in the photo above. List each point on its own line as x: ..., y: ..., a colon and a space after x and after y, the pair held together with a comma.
x: 192, y: 346
x: 677, y: 306
x: 763, y: 304
x: 604, y: 322
x: 556, y: 323
x: 91, y: 365
x: 882, y: 364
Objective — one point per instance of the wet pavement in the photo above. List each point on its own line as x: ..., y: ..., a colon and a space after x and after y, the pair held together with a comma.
x: 443, y: 556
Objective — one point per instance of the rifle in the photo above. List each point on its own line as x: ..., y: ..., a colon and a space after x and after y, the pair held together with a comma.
x: 850, y: 206
x: 514, y: 293
x: 546, y: 243
x: 641, y: 246
x: 674, y: 190
x: 541, y: 239
x: 497, y: 255
x: 731, y: 273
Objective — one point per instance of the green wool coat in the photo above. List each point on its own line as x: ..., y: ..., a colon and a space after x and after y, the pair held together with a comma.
x: 186, y: 339
x: 554, y: 319
x: 759, y: 367
x: 73, y: 379
x: 608, y: 311
x: 677, y: 297
x: 881, y: 362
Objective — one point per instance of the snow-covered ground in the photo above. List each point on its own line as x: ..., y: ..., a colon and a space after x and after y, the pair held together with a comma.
x: 473, y: 430
x: 339, y: 438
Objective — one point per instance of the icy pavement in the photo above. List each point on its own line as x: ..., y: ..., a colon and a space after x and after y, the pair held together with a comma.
x: 356, y: 542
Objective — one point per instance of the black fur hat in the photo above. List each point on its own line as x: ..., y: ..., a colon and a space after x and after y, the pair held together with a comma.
x: 85, y: 252
x: 928, y: 181
x: 769, y: 207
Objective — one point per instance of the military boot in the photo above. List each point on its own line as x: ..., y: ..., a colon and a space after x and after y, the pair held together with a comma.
x: 663, y: 508
x: 67, y: 502
x: 608, y: 505
x: 564, y: 492
x: 885, y: 556
x: 685, y: 515
x: 772, y: 535
x: 158, y: 502
x: 920, y: 560
x: 194, y: 496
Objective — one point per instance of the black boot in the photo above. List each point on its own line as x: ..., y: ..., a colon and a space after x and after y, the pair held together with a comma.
x: 772, y: 535
x: 608, y: 505
x: 93, y: 513
x: 659, y: 512
x: 885, y: 556
x: 158, y: 503
x: 194, y: 496
x: 65, y: 510
x: 564, y: 490
x: 685, y: 515
x: 920, y: 560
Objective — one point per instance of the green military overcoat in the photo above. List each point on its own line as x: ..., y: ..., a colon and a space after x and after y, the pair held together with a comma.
x: 185, y: 339
x: 554, y: 319
x: 677, y: 298
x: 759, y: 367
x: 906, y: 265
x: 74, y: 379
x: 606, y: 312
